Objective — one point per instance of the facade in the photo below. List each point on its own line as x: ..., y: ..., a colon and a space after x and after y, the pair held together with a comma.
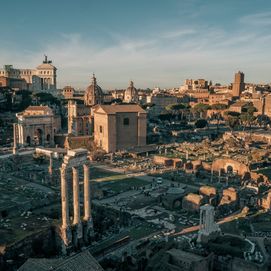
x: 79, y: 118
x: 14, y: 83
x: 118, y: 127
x: 130, y: 94
x: 68, y: 92
x: 191, y: 84
x: 36, y: 126
x: 43, y: 78
x: 267, y: 105
x: 219, y: 98
x: 239, y: 85
x: 237, y: 107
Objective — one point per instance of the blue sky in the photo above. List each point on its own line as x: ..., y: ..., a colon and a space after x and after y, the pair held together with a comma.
x: 153, y: 42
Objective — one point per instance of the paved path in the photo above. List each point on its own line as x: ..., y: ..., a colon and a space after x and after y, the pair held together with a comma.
x: 19, y: 154
x: 142, y: 176
x: 222, y: 221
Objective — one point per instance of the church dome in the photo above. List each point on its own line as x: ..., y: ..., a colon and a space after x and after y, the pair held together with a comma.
x: 93, y: 93
x: 131, y: 94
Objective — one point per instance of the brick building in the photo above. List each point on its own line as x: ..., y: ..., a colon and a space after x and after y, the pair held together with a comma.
x: 118, y: 127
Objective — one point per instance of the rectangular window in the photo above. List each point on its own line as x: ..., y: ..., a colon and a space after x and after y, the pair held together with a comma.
x: 126, y: 121
x: 101, y: 129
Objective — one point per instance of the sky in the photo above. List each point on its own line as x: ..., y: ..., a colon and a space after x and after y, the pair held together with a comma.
x: 155, y: 43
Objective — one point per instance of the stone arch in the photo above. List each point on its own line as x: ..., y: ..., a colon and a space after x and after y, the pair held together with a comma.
x: 224, y: 164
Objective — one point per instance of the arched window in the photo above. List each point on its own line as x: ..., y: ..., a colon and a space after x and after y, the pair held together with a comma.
x: 126, y: 121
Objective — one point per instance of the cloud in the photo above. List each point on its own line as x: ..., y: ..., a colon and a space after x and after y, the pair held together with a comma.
x: 258, y: 19
x: 163, y: 58
x: 178, y: 33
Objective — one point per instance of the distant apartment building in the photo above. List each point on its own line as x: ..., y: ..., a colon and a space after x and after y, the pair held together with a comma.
x: 68, y: 92
x: 219, y: 98
x: 43, y: 78
x: 237, y: 107
x: 191, y: 84
x: 14, y: 83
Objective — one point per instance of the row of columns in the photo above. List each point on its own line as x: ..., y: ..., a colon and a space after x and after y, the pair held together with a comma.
x: 66, y: 226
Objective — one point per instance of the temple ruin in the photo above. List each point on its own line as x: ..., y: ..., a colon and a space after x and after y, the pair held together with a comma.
x: 79, y: 231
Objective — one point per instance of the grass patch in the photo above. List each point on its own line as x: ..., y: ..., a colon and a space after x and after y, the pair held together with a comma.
x: 141, y: 231
x: 124, y: 184
x: 96, y: 173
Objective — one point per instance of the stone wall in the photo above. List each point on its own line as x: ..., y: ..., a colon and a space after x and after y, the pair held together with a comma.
x: 226, y: 164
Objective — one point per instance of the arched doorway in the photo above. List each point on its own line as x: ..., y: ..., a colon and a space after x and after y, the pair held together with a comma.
x: 28, y: 140
x: 229, y: 169
x: 38, y: 137
x: 48, y: 138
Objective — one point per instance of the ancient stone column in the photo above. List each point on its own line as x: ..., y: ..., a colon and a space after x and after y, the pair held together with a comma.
x: 76, y: 204
x: 87, y: 210
x: 50, y: 168
x: 76, y: 208
x: 88, y: 230
x: 64, y: 199
x: 65, y: 228
x: 14, y: 139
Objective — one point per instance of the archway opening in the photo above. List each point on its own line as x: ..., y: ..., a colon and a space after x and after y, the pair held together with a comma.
x: 38, y: 137
x: 229, y: 169
x: 48, y: 138
x: 28, y: 140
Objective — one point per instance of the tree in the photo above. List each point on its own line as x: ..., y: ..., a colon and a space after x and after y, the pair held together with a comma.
x: 247, y: 116
x: 233, y: 119
x: 48, y: 98
x: 201, y: 123
x: 177, y: 109
x: 219, y: 106
x: 200, y: 109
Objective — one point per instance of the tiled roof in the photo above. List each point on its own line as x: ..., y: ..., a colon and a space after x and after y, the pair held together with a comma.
x: 37, y: 108
x: 120, y: 108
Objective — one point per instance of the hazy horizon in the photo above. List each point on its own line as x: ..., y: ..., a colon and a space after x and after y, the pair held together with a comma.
x: 153, y: 43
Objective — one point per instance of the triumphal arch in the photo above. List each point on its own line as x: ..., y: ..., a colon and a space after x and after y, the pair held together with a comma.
x: 35, y: 127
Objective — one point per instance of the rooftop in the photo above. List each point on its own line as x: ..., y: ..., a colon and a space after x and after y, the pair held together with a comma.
x: 119, y: 108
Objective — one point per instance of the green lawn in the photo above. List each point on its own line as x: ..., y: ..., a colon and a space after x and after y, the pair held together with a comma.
x: 120, y: 184
x: 96, y: 173
x: 141, y: 231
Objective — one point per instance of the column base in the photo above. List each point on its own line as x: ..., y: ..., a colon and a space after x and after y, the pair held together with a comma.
x: 66, y: 235
x: 77, y: 235
x: 88, y: 230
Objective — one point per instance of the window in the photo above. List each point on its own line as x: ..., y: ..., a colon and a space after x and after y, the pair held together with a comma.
x: 126, y: 121
x: 101, y: 128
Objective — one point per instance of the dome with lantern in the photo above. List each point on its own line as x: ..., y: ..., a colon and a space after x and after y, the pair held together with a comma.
x: 131, y: 94
x: 93, y: 93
